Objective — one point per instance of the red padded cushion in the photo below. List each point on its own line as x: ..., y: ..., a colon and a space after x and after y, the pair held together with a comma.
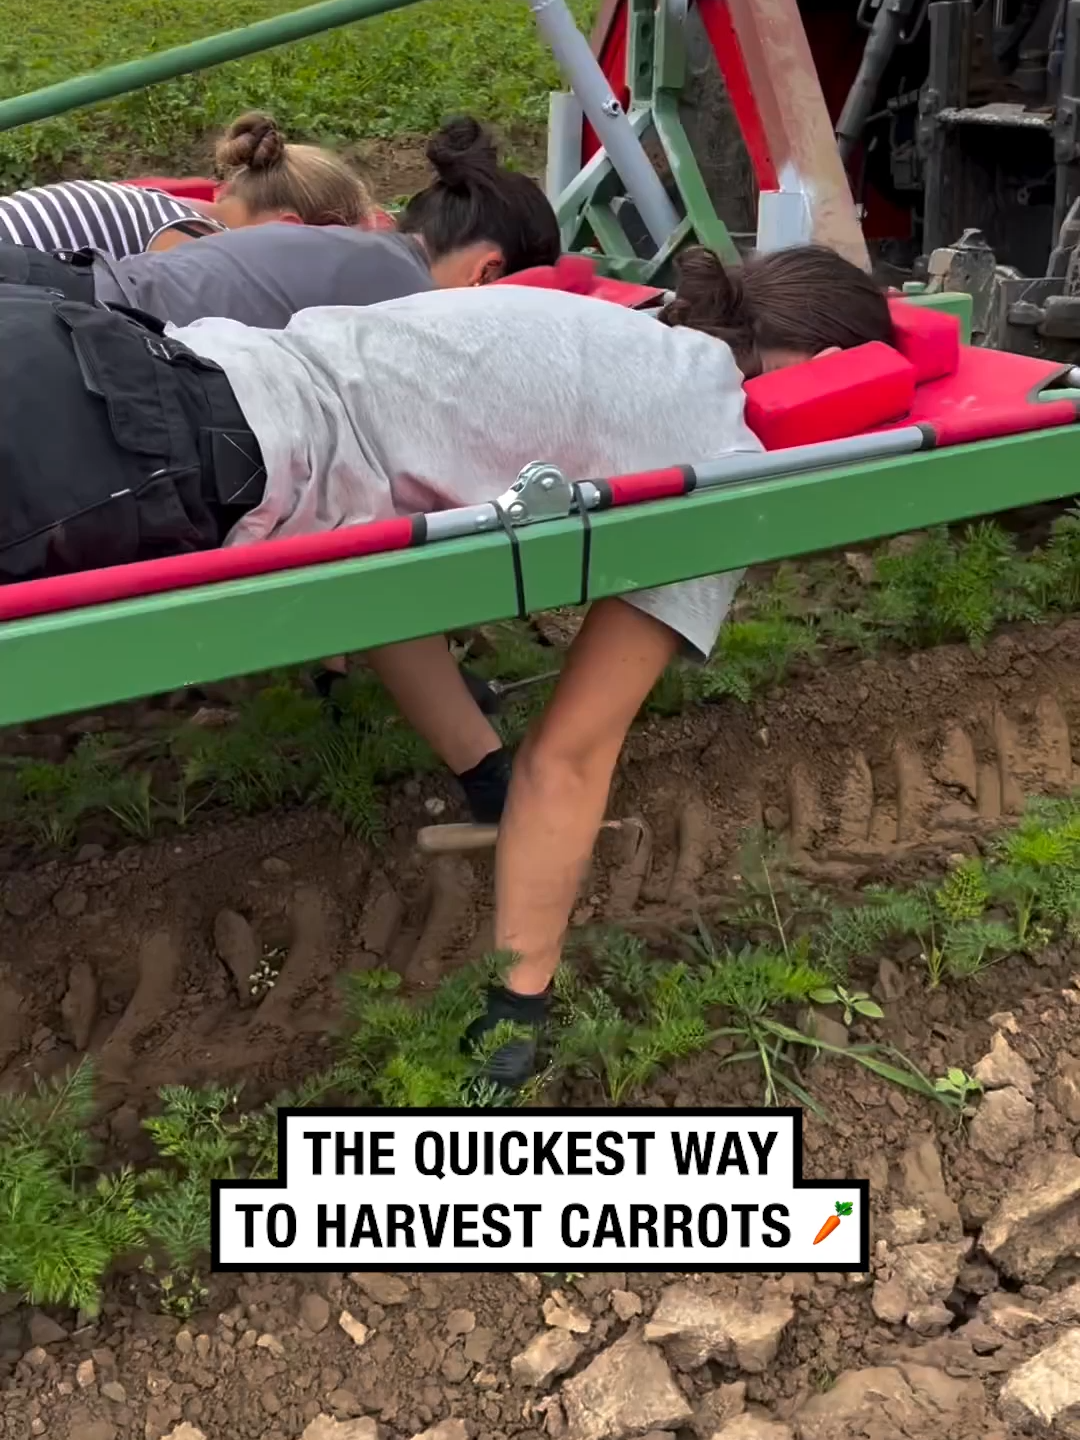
x: 577, y: 274
x: 928, y: 338
x: 195, y: 188
x: 830, y: 398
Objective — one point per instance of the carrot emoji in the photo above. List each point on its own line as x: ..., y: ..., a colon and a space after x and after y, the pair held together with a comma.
x: 843, y: 1209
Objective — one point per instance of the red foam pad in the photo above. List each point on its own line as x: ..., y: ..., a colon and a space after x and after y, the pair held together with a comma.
x: 204, y: 567
x: 577, y: 274
x: 830, y: 398
x: 930, y: 339
x: 195, y: 188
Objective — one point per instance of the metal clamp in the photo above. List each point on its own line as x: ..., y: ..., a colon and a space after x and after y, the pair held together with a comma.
x: 541, y: 492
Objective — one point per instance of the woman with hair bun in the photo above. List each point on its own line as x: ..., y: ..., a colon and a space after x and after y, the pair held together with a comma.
x: 265, y: 179
x: 478, y: 220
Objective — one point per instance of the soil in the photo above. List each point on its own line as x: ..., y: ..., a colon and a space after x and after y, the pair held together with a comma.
x: 875, y: 769
x: 398, y: 167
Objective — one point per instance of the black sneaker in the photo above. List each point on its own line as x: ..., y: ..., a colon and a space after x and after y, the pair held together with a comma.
x: 486, y: 786
x: 514, y: 1063
x: 323, y: 683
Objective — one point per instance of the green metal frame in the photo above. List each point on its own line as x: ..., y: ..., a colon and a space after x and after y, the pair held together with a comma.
x: 655, y: 76
x: 117, y: 80
x: 83, y: 659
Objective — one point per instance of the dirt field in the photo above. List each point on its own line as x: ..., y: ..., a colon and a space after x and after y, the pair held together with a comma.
x: 966, y: 1327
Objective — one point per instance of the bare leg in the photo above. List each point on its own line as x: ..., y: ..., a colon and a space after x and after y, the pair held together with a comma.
x: 424, y: 680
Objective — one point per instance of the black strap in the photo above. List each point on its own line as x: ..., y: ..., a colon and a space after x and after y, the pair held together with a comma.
x: 586, y: 541
x: 515, y: 553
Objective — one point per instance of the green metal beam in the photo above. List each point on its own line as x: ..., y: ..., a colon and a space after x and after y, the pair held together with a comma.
x: 57, y: 664
x: 183, y: 59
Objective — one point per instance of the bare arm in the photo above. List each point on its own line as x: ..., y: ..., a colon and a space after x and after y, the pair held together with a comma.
x: 561, y: 781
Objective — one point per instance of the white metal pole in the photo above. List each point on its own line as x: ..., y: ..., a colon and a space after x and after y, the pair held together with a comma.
x: 607, y: 117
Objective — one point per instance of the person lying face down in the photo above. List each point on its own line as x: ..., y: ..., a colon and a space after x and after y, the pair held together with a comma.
x: 265, y: 180
x: 423, y: 403
x: 476, y: 222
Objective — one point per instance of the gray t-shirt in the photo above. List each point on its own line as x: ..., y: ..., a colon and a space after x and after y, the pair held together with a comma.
x: 438, y: 400
x: 263, y: 274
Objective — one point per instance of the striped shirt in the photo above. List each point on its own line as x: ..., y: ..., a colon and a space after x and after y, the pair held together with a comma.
x: 118, y: 219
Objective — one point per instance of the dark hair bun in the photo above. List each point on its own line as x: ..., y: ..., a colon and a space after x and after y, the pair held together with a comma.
x: 709, y: 298
x: 461, y: 151
x: 253, y: 141
x: 701, y: 279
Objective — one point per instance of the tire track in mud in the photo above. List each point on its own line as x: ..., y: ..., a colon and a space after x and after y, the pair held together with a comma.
x: 856, y: 770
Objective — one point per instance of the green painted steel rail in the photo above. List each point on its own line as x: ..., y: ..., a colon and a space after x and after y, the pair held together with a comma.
x: 117, y: 80
x: 83, y: 659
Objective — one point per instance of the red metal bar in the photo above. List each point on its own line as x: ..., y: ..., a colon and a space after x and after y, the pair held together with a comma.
x: 716, y: 18
x: 205, y: 567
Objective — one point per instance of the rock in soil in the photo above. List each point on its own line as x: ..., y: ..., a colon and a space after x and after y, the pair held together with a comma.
x: 694, y: 1327
x: 754, y: 1427
x: 550, y: 1354
x: 382, y: 1289
x: 1003, y: 1067
x: 325, y: 1427
x: 920, y: 1275
x: 628, y: 1389
x: 717, y: 1408
x: 445, y: 1430
x: 44, y: 1330
x: 625, y: 1304
x: 1043, y: 1395
x: 1003, y: 1124
x: 922, y: 1184
x: 356, y: 1330
x: 1037, y: 1222
x: 563, y: 1316
x: 315, y: 1311
x: 901, y: 1402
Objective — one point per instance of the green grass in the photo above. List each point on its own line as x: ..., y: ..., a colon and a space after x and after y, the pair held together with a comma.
x: 399, y: 73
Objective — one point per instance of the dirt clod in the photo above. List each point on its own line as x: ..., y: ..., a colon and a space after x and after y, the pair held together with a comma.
x: 1003, y: 1124
x: 1002, y: 1067
x: 44, y: 1330
x: 315, y: 1312
x: 754, y: 1427
x: 1043, y: 1395
x: 382, y: 1289
x: 902, y: 1402
x: 695, y: 1327
x: 548, y: 1355
x: 1037, y: 1222
x: 626, y: 1390
x: 325, y: 1427
x: 625, y: 1304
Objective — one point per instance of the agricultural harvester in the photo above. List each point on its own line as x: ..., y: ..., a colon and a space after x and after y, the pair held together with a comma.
x: 641, y: 162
